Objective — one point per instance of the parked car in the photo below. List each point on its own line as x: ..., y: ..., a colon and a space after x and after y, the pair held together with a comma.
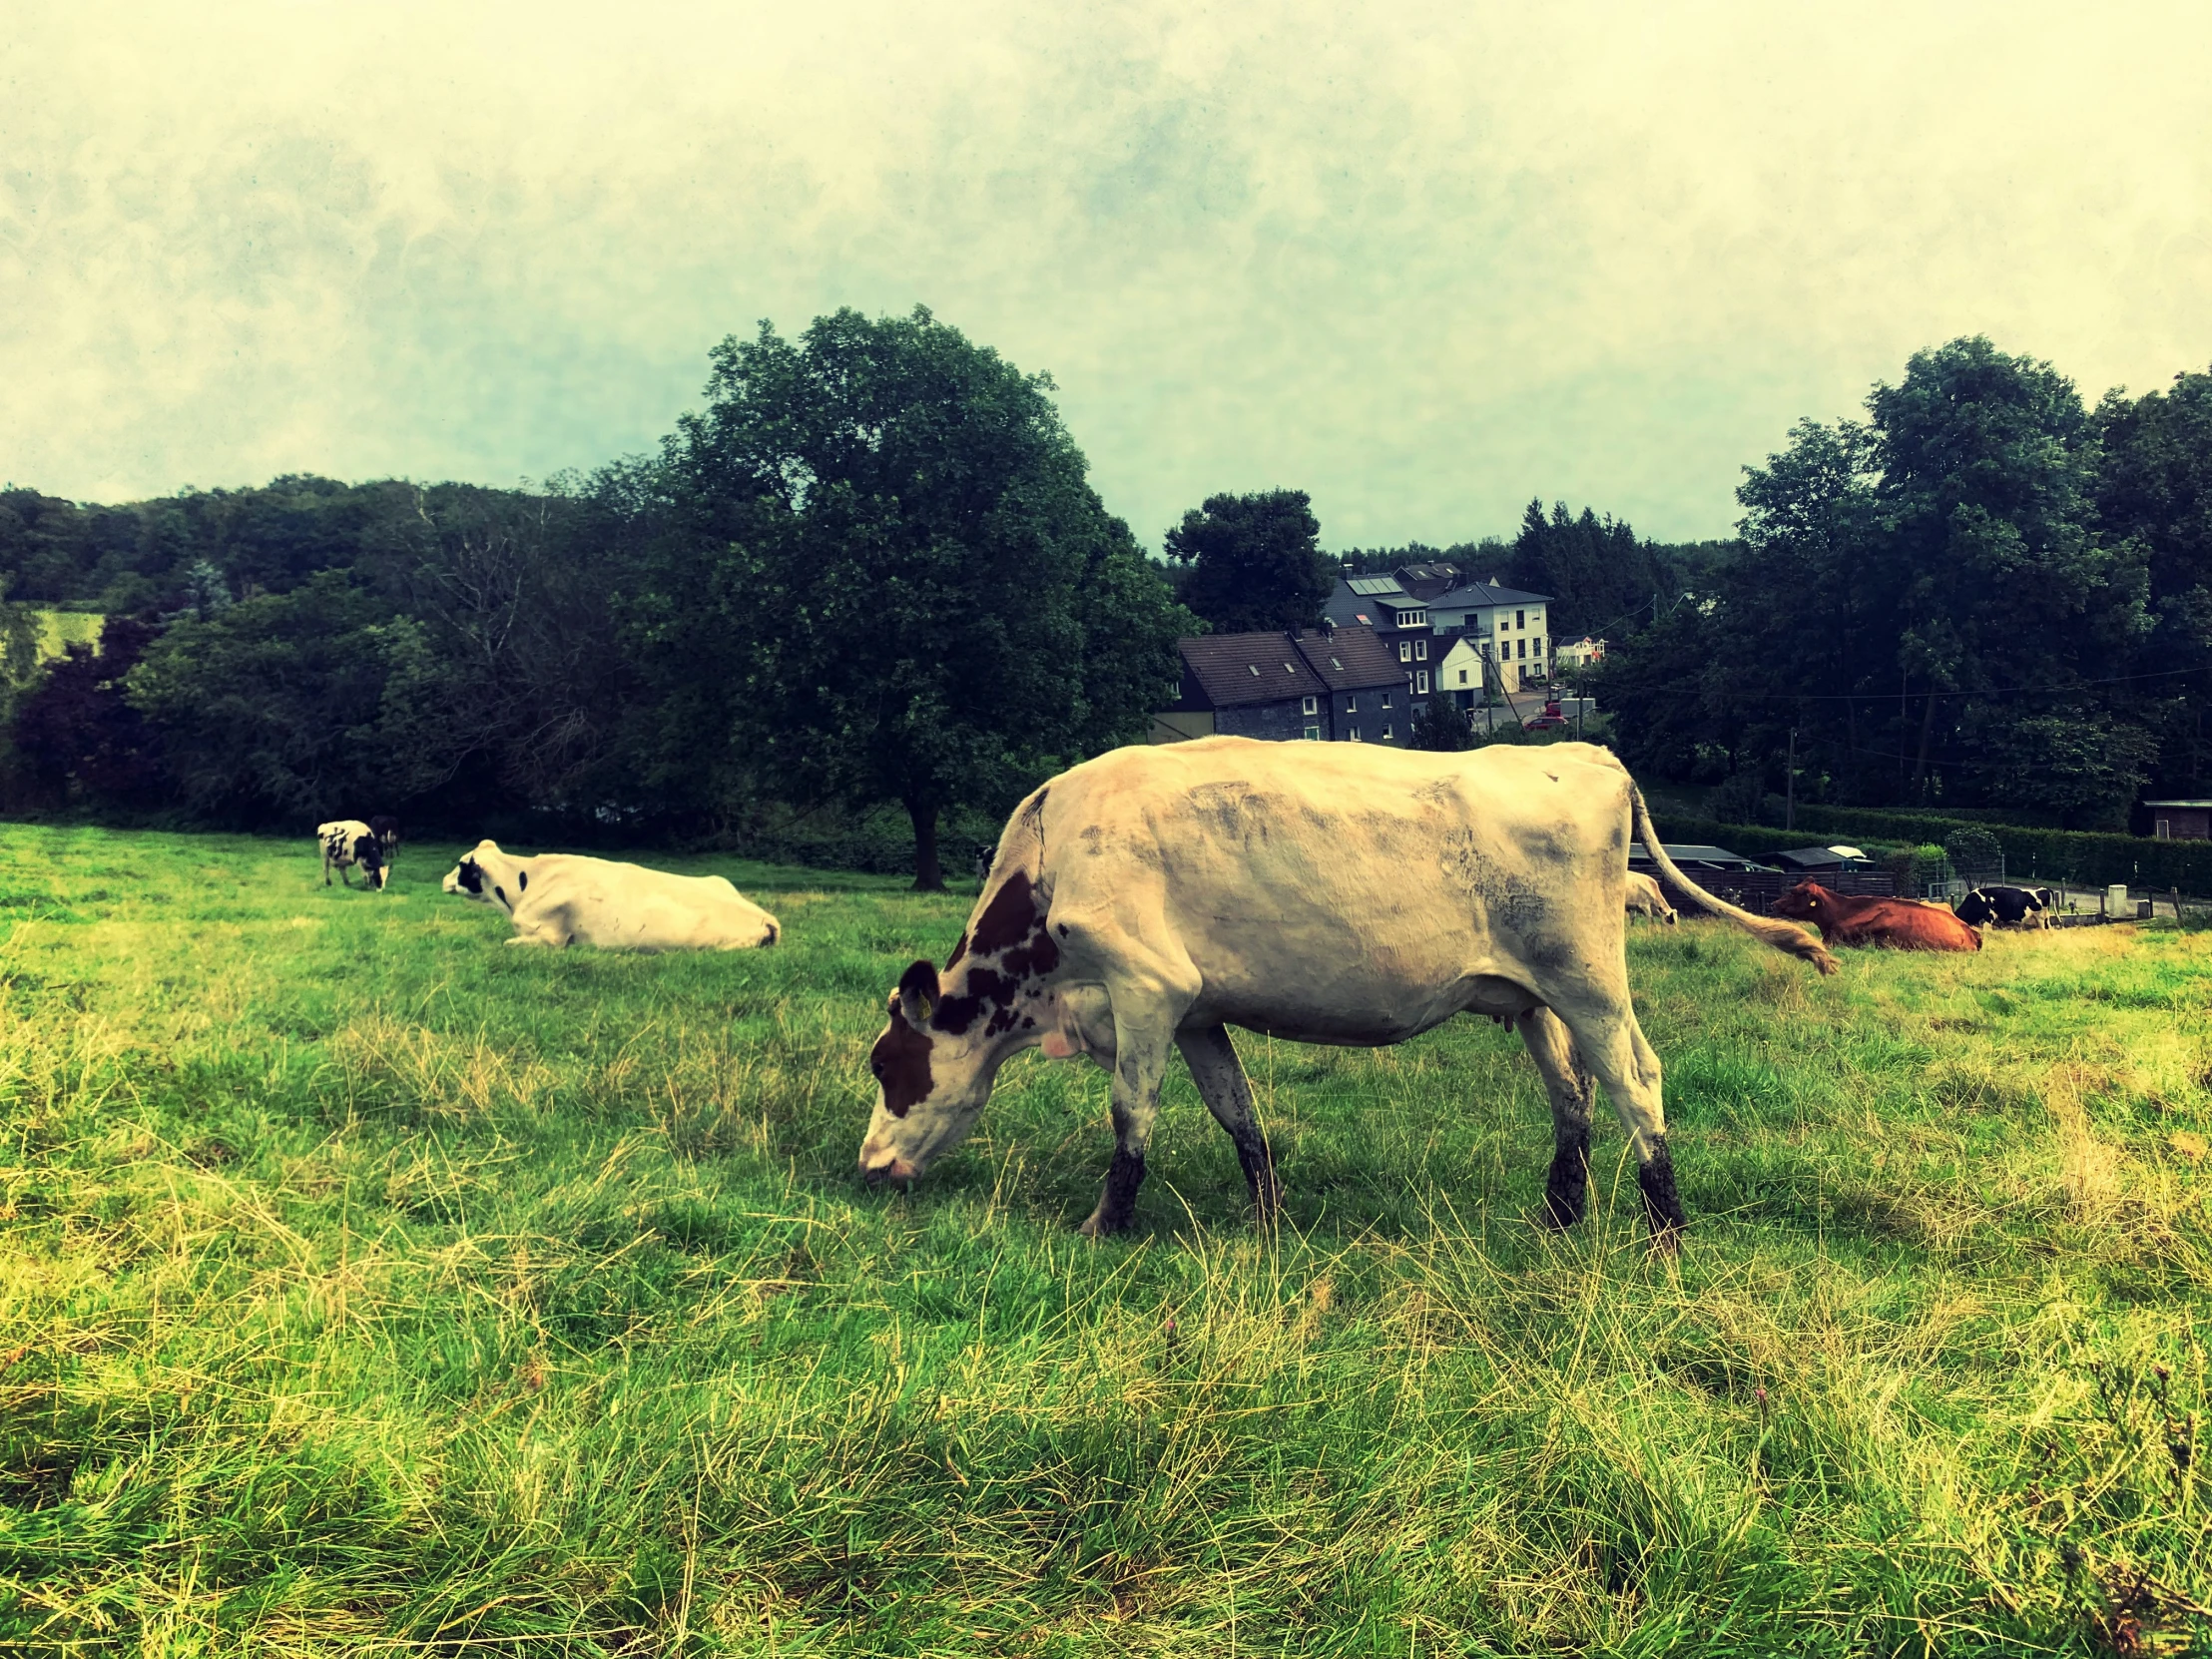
x: 1552, y: 719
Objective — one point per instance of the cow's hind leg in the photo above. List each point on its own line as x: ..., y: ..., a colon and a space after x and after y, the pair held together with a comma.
x: 1611, y: 1044
x: 1140, y: 1064
x: 1222, y: 1084
x: 1572, y: 1090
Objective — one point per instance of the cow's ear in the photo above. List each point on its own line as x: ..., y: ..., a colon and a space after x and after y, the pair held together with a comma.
x: 918, y: 993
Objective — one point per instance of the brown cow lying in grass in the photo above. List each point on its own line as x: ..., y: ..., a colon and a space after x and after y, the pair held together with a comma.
x: 1896, y: 924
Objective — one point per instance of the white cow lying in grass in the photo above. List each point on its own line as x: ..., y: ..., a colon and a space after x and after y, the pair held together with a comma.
x: 563, y: 898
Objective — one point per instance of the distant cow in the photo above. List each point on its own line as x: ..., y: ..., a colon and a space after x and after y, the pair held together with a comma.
x: 1895, y: 923
x: 1646, y: 899
x: 562, y: 898
x: 347, y: 842
x: 386, y: 832
x: 2006, y: 907
x: 984, y: 852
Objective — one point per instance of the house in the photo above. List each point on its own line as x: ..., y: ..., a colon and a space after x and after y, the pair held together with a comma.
x: 1331, y: 685
x: 2180, y: 821
x: 1578, y: 653
x: 1505, y: 628
x: 1400, y: 619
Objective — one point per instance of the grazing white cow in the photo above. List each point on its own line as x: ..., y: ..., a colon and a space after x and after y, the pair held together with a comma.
x: 1344, y: 894
x: 562, y: 898
x: 1645, y: 899
x: 347, y: 842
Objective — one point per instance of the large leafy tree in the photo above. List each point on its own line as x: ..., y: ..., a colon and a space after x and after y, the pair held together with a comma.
x: 2005, y: 604
x: 296, y: 707
x: 1255, y: 562
x: 917, y: 595
x: 2154, y: 495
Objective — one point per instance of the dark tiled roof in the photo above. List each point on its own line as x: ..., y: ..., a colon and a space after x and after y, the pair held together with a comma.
x: 1486, y: 593
x: 1235, y: 670
x: 1425, y: 580
x: 1350, y: 658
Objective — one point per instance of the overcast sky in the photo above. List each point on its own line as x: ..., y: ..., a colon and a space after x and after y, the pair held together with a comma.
x: 1424, y: 261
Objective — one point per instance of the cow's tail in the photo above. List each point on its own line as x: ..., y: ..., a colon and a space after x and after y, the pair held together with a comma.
x: 1781, y: 935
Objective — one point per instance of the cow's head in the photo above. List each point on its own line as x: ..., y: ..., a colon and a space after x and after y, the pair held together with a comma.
x: 370, y: 857
x: 484, y: 876
x: 1802, y: 902
x: 948, y: 1036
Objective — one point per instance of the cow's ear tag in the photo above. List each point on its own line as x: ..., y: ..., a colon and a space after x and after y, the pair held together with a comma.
x: 917, y: 992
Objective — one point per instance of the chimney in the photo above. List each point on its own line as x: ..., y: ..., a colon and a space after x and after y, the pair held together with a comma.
x: 1328, y: 628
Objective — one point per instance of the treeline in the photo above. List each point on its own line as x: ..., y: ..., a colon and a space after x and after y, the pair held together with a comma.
x: 869, y: 570
x: 1984, y: 594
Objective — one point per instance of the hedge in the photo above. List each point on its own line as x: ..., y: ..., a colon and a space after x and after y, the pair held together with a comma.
x: 2085, y: 860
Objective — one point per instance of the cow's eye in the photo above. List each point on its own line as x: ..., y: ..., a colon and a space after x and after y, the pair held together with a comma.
x: 877, y: 1066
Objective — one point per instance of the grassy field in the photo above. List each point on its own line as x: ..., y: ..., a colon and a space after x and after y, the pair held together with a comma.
x: 368, y: 1287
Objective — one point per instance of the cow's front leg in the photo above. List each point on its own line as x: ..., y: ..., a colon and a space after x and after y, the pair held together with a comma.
x: 1572, y: 1091
x: 1222, y: 1084
x: 1139, y: 1063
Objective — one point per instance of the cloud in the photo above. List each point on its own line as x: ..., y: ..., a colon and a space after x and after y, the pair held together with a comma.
x: 1424, y: 263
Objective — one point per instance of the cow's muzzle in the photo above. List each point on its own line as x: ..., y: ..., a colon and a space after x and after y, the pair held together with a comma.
x: 879, y: 1168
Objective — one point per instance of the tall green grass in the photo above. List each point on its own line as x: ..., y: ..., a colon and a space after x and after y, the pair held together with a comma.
x: 368, y: 1287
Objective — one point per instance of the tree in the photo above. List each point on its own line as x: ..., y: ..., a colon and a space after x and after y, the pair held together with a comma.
x: 293, y: 707
x: 918, y: 596
x: 1439, y: 724
x: 76, y: 734
x: 1256, y: 561
x: 1597, y: 574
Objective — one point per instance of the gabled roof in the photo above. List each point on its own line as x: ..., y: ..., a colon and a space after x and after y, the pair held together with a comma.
x: 1484, y: 593
x: 1426, y: 580
x: 1350, y: 659
x: 1235, y: 669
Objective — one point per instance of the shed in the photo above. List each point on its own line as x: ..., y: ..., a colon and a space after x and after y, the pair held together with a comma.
x: 2180, y: 821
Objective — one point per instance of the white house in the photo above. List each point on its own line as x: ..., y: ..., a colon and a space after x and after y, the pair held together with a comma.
x: 1581, y: 654
x: 1503, y: 625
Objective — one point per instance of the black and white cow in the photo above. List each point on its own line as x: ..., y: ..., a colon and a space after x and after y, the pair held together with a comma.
x: 2004, y: 908
x: 347, y: 842
x: 386, y: 832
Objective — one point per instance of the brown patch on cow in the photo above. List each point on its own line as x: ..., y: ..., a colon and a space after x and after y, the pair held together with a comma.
x: 983, y: 988
x: 1035, y: 957
x: 1007, y: 919
x: 901, y: 1061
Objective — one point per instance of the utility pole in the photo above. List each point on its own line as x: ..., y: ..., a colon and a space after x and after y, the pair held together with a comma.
x: 1789, y: 785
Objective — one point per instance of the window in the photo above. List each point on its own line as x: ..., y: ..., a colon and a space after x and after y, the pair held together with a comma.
x: 1307, y: 708
x: 1523, y: 649
x: 1351, y: 734
x: 1421, y: 683
x: 1520, y: 619
x: 1405, y: 651
x: 1290, y: 668
x: 1420, y: 651
x: 1385, y: 700
x: 1351, y: 704
x: 1386, y: 734
x: 1312, y: 733
x: 1462, y: 677
x: 1254, y: 667
x: 1538, y: 642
